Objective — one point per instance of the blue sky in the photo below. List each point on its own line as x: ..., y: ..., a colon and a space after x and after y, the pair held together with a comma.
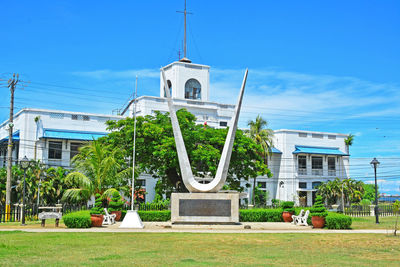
x: 313, y: 65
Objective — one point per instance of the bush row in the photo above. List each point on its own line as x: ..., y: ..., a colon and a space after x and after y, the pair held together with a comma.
x: 261, y: 215
x: 78, y: 219
x: 81, y: 219
x: 337, y: 221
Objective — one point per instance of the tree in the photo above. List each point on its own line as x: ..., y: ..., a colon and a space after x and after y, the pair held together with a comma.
x: 351, y: 190
x: 156, y: 151
x: 349, y: 141
x: 98, y: 168
x: 262, y: 137
x: 369, y: 192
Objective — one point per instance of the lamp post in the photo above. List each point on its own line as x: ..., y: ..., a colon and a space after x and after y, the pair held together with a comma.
x: 375, y: 163
x: 24, y: 163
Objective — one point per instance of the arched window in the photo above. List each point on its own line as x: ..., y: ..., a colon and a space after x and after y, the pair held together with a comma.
x: 170, y: 88
x: 192, y: 89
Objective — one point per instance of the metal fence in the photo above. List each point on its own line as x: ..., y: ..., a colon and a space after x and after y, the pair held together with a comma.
x: 32, y: 211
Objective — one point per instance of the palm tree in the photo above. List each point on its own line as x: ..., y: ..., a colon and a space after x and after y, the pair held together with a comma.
x: 263, y: 137
x: 98, y: 170
x: 349, y: 142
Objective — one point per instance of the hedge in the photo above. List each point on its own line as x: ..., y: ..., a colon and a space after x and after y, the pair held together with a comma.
x: 261, y: 215
x: 78, y: 219
x: 155, y: 215
x: 337, y: 221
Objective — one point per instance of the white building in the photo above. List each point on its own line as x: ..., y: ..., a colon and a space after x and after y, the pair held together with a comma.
x: 300, y: 161
x: 51, y: 136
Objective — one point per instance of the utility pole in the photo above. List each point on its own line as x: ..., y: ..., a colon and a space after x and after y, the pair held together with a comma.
x: 12, y: 83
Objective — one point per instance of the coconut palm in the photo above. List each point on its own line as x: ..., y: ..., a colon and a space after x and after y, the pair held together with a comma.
x: 98, y: 170
x: 349, y: 141
x: 263, y: 137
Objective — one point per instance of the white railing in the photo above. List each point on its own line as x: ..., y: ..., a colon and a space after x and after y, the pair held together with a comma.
x: 317, y: 172
x: 331, y: 172
x: 302, y: 171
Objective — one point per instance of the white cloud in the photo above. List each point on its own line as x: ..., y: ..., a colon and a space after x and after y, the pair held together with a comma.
x: 125, y: 74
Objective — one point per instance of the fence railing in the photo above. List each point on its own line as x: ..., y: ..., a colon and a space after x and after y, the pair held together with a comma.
x: 366, y: 210
x: 153, y: 206
x: 32, y: 212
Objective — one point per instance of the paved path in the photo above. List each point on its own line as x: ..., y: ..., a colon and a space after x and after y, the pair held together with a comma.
x: 166, y: 227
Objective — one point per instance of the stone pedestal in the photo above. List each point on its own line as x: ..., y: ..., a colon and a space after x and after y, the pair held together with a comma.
x: 205, y: 208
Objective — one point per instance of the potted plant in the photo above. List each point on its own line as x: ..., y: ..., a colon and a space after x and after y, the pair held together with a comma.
x: 288, y: 211
x: 96, y: 213
x: 318, y: 213
x: 115, y: 205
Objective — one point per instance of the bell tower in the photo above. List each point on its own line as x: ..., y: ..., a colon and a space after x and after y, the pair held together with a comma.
x: 187, y: 80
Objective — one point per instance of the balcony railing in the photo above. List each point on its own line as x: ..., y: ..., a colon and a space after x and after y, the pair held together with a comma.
x: 316, y: 172
x: 302, y: 171
x: 331, y: 172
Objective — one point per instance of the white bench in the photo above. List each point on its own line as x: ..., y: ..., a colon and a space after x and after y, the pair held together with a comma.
x: 301, y: 219
x: 53, y: 213
x: 108, y: 219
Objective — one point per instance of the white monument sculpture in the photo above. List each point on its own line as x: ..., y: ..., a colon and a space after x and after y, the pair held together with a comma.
x: 211, y: 206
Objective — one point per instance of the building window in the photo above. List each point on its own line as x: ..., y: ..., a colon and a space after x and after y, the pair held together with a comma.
x: 316, y: 163
x: 192, y: 89
x: 223, y: 123
x: 56, y: 115
x: 170, y: 88
x: 303, y: 185
x: 333, y: 137
x: 331, y: 166
x: 302, y: 161
x: 85, y: 118
x: 74, y: 149
x: 55, y: 149
x: 317, y: 136
x: 315, y: 185
x: 262, y: 185
x: 141, y: 182
x: 74, y: 117
x: 302, y: 134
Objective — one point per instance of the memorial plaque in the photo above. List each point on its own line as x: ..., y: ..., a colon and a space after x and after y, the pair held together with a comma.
x: 205, y: 207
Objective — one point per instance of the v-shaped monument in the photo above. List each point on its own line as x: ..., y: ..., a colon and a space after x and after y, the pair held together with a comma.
x: 204, y: 203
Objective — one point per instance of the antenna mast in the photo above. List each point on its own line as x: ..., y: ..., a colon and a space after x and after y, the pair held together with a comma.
x: 184, y: 35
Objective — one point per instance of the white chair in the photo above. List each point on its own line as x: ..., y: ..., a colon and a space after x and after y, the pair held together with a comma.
x: 297, y: 217
x: 108, y: 219
x: 303, y: 220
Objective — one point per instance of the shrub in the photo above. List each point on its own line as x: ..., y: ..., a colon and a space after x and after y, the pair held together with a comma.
x: 78, y: 219
x: 318, y: 209
x: 288, y: 206
x: 337, y: 221
x: 98, y: 206
x: 116, y: 202
x: 261, y: 215
x: 155, y: 216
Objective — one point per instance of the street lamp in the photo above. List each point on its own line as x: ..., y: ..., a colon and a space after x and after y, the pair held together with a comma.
x: 24, y: 163
x: 375, y: 163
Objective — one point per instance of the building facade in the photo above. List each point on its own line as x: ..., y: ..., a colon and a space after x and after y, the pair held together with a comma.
x: 299, y: 161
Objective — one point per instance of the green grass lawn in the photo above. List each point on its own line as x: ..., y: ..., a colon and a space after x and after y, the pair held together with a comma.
x: 191, y: 249
x: 369, y: 222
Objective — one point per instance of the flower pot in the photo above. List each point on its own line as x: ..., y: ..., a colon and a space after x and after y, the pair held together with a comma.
x: 318, y: 221
x: 118, y: 214
x: 97, y: 220
x: 287, y: 216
